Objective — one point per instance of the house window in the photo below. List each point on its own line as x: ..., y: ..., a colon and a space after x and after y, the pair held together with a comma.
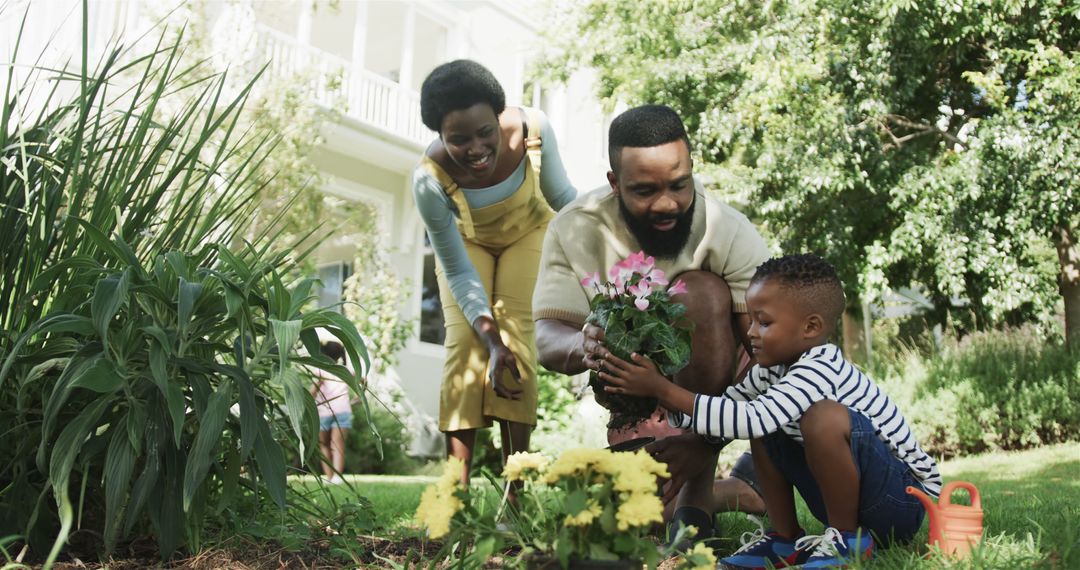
x: 332, y: 291
x: 432, y: 327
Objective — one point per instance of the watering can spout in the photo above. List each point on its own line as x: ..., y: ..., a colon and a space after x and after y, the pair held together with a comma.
x: 928, y: 504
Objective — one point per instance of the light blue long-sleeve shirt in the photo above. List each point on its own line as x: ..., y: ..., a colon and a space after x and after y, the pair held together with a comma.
x: 438, y: 212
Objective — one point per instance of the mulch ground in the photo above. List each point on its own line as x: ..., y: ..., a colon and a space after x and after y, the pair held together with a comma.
x: 408, y: 552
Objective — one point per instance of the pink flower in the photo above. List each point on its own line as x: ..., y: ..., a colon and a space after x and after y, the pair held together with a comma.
x: 641, y: 303
x: 639, y: 263
x: 642, y: 289
x: 678, y: 288
x: 592, y: 280
x: 656, y: 278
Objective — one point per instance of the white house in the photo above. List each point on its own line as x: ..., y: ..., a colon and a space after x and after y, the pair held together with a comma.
x: 381, y: 50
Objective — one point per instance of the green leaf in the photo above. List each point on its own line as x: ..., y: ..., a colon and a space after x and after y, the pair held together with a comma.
x: 249, y: 416
x: 484, y: 548
x: 101, y: 377
x: 298, y: 400
x: 188, y: 295
x: 286, y: 334
x: 109, y: 294
x: 271, y: 463
x: 345, y: 331
x: 119, y: 465
x: 175, y: 402
x: 206, y: 440
x: 71, y: 439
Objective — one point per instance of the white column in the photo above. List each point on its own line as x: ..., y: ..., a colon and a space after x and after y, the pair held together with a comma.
x: 303, y: 24
x: 359, y: 35
x: 408, y: 41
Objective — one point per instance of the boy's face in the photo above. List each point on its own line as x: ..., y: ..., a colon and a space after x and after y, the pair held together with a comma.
x: 780, y: 330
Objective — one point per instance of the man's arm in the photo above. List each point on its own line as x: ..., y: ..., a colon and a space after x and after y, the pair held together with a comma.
x: 564, y: 348
x: 558, y: 346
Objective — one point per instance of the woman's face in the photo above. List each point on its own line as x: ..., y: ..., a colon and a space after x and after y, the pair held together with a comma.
x: 472, y: 138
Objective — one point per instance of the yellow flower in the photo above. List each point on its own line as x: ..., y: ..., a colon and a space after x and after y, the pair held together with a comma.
x: 638, y: 509
x: 700, y: 557
x: 579, y: 462
x: 439, y: 503
x: 520, y: 463
x: 585, y: 517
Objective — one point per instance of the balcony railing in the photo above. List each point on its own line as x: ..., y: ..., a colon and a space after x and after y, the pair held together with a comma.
x: 340, y: 85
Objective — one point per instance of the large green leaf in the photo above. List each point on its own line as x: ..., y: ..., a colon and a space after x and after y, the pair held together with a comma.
x: 298, y: 401
x: 119, y: 465
x: 286, y: 334
x: 271, y: 463
x: 109, y: 294
x: 206, y: 440
x: 101, y: 376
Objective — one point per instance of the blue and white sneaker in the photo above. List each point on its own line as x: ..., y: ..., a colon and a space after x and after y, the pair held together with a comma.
x: 836, y: 549
x: 764, y: 549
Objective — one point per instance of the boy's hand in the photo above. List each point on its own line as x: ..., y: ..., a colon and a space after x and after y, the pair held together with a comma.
x: 638, y: 378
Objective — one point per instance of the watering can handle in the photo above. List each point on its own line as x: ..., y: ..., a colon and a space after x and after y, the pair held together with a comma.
x: 947, y: 491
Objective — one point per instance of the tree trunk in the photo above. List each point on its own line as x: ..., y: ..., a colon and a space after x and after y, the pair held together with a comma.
x: 1069, y: 281
x: 855, y: 348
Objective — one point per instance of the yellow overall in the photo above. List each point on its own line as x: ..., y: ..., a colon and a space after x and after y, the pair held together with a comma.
x: 503, y: 242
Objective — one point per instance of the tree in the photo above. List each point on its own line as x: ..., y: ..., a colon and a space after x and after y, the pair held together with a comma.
x: 870, y: 132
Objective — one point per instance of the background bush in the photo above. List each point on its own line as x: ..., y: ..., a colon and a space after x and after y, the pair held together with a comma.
x: 995, y: 390
x: 361, y: 451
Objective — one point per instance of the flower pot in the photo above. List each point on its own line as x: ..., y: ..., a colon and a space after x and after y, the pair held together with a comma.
x: 552, y: 563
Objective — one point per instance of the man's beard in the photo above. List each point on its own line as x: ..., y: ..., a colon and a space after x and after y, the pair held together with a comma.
x: 663, y: 244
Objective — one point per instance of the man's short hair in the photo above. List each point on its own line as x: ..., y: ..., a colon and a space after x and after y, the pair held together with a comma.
x: 811, y: 279
x: 458, y: 85
x: 644, y: 126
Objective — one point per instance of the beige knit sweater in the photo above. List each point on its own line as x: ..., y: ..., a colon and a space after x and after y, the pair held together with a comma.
x: 590, y: 235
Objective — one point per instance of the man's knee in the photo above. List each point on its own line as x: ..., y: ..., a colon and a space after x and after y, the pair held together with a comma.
x: 825, y: 420
x: 707, y: 294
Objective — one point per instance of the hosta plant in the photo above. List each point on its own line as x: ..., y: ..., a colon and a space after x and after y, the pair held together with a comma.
x: 635, y: 309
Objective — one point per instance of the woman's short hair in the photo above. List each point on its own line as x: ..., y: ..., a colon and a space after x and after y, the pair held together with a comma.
x: 458, y: 85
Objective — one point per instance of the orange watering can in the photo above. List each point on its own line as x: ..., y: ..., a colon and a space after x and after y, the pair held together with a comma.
x: 953, y: 528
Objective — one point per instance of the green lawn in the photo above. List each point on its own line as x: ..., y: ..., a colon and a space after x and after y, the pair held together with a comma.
x: 1031, y: 501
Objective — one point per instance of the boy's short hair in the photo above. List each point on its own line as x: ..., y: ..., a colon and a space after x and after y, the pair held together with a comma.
x: 642, y: 127
x: 458, y: 85
x: 812, y: 279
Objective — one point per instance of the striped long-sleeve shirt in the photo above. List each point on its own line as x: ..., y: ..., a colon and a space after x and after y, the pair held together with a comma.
x: 774, y: 398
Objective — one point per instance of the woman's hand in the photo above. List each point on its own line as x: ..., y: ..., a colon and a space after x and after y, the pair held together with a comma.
x: 502, y: 360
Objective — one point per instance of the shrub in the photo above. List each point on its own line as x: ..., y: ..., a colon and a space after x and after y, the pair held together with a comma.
x: 992, y: 390
x: 361, y: 451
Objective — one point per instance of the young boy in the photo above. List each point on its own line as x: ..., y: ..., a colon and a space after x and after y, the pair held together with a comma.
x: 813, y: 420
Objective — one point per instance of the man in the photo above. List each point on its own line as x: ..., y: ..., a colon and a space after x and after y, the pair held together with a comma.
x: 653, y: 203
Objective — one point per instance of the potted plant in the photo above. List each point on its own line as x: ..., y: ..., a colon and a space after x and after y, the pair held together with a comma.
x: 635, y: 309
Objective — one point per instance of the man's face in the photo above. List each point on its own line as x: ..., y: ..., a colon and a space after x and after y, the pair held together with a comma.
x: 655, y: 189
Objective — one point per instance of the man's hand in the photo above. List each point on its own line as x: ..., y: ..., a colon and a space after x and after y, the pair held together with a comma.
x: 500, y: 360
x: 686, y: 457
x: 592, y: 346
x: 638, y: 378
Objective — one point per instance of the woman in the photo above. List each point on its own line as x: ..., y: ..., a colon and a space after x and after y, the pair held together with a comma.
x: 486, y: 189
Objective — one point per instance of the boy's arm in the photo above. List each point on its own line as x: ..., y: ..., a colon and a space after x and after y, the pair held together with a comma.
x: 717, y: 416
x: 642, y: 378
